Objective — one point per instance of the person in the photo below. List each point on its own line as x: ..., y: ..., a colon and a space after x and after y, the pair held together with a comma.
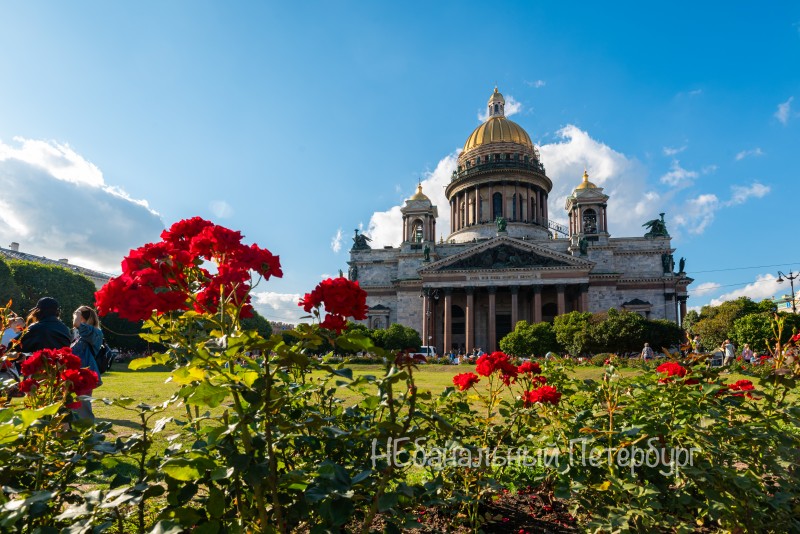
x: 44, y: 328
x: 747, y: 353
x: 696, y: 347
x: 729, y: 352
x: 16, y: 324
x: 647, y: 352
x: 87, y: 343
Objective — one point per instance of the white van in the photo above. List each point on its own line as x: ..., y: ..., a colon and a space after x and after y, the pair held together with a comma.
x: 428, y: 351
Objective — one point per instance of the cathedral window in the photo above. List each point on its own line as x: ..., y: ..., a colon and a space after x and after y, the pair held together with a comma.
x: 417, y: 232
x: 497, y: 205
x: 497, y: 157
x: 496, y: 108
x: 589, y: 222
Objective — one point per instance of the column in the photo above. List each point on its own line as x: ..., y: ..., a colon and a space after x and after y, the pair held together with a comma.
x: 492, y: 320
x: 514, y: 306
x: 537, y: 304
x: 425, y: 317
x: 584, y: 297
x: 470, y: 312
x: 560, y: 299
x: 682, y: 304
x: 448, y: 320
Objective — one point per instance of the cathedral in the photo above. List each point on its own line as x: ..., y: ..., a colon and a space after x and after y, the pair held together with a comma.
x: 504, y: 260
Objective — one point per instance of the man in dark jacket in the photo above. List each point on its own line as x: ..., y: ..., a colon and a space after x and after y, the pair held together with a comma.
x: 47, y: 331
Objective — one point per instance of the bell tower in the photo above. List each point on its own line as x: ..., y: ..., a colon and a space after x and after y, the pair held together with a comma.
x: 588, y: 223
x: 419, y: 218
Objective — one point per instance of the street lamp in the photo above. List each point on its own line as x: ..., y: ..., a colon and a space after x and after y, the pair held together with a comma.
x: 791, y: 276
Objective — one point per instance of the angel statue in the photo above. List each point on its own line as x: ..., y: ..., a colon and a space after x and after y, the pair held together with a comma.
x: 656, y: 227
x: 360, y: 242
x: 682, y: 266
x: 501, y: 224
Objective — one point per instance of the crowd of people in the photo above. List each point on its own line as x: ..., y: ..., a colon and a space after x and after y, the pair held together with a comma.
x: 44, y: 329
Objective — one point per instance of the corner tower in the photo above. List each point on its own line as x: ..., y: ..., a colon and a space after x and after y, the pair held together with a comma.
x: 586, y: 207
x: 499, y: 174
x: 419, y: 218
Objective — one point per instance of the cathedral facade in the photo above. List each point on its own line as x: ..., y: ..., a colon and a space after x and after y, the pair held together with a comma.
x: 504, y: 260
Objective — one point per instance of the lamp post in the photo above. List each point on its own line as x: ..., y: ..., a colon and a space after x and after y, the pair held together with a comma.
x: 791, y: 276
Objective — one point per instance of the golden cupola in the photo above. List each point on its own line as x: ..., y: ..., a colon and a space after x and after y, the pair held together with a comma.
x: 497, y: 128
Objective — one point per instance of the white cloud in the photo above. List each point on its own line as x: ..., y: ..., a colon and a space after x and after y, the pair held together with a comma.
x: 705, y: 288
x: 670, y: 151
x: 278, y: 306
x: 536, y: 84
x: 708, y: 169
x: 385, y: 227
x: 745, y: 153
x: 623, y: 179
x: 697, y: 213
x: 512, y: 107
x: 336, y: 241
x: 742, y: 193
x: 678, y: 176
x: 221, y: 209
x: 784, y: 111
x: 765, y: 286
x: 56, y: 204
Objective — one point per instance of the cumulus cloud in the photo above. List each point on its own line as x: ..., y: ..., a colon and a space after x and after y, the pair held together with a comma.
x: 624, y: 179
x: 670, y: 151
x: 278, y: 306
x: 56, y: 204
x: 536, y: 84
x: 705, y: 288
x: 765, y: 286
x: 742, y: 193
x: 385, y: 227
x: 512, y: 107
x: 678, y: 176
x: 221, y: 209
x: 746, y: 153
x: 697, y: 213
x: 784, y: 111
x: 336, y: 241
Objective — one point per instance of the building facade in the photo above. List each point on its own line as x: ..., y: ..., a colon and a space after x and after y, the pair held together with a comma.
x: 504, y: 260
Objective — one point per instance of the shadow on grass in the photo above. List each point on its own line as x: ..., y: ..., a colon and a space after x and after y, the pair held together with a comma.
x: 120, y: 422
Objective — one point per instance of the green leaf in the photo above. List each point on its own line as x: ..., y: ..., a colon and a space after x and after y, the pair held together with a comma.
x: 387, y: 501
x: 205, y: 394
x: 181, y: 469
x: 30, y: 415
x: 148, y: 361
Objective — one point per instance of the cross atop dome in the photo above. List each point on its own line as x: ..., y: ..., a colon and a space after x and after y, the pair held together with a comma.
x: 497, y: 104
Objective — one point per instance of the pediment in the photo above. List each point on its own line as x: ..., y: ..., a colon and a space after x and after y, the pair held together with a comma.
x: 504, y: 253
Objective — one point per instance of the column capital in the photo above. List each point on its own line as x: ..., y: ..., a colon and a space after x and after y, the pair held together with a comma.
x: 561, y: 287
x: 469, y: 290
x: 491, y: 290
x: 536, y: 289
x: 447, y: 291
x: 514, y: 289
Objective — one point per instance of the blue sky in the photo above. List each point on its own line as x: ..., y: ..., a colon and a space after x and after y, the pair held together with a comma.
x: 294, y: 121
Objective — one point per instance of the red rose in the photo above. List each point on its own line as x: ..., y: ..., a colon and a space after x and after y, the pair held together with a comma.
x: 744, y: 386
x: 496, y: 361
x: 671, y: 369
x: 33, y: 364
x: 796, y: 337
x: 80, y: 381
x: 464, y: 381
x: 530, y: 368
x: 334, y: 322
x: 27, y: 385
x: 340, y: 296
x: 542, y: 395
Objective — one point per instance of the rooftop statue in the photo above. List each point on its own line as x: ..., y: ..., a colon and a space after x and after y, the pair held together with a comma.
x: 682, y: 266
x: 360, y: 242
x: 501, y: 224
x: 426, y: 252
x: 656, y: 227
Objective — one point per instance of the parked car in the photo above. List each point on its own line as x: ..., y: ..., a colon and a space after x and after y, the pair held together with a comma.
x: 428, y: 351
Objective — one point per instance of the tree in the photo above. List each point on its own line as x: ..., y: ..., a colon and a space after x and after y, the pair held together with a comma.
x: 661, y: 333
x: 36, y: 280
x: 572, y: 331
x: 257, y: 323
x: 758, y: 330
x: 716, y: 322
x: 621, y: 331
x: 8, y: 289
x: 530, y: 339
x: 690, y: 320
x: 397, y: 337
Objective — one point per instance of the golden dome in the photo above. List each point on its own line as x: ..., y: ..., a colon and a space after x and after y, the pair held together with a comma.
x: 419, y: 195
x: 498, y: 130
x: 586, y: 184
x: 497, y: 96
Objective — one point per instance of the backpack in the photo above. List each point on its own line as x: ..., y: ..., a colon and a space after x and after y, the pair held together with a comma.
x: 103, y: 357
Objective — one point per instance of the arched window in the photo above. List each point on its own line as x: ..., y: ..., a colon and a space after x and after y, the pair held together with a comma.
x: 497, y: 205
x: 417, y: 232
x: 514, y: 207
x: 496, y: 108
x: 589, y: 221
